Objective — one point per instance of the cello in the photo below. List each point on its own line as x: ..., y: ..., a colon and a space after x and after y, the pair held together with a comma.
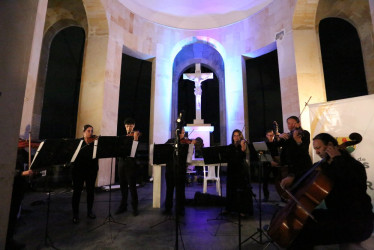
x: 310, y: 190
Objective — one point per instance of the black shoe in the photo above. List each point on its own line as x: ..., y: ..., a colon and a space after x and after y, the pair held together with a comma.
x: 121, y: 210
x: 266, y: 199
x: 91, y: 215
x: 75, y: 219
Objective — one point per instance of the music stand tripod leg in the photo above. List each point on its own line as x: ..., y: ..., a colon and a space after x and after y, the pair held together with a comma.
x: 47, y: 239
x: 259, y: 230
x: 109, y: 218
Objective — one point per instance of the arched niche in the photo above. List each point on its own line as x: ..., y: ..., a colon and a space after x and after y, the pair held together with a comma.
x: 43, y: 68
x: 200, y: 52
x: 342, y: 59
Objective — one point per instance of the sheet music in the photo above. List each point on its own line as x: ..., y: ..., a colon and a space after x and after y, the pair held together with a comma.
x: 151, y: 149
x: 95, y: 149
x: 190, y: 153
x: 133, y: 148
x: 262, y: 147
x: 76, y: 151
x: 37, y: 152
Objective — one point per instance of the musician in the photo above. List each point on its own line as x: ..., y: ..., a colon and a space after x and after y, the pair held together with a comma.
x: 270, y: 166
x: 349, y: 216
x: 19, y: 188
x: 295, y: 151
x: 238, y: 189
x: 84, y: 170
x: 174, y: 180
x: 127, y: 170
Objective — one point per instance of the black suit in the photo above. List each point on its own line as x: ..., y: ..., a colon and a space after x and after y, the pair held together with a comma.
x: 127, y: 170
x: 296, y: 156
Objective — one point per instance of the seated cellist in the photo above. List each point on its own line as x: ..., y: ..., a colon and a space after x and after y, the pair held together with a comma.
x: 348, y: 216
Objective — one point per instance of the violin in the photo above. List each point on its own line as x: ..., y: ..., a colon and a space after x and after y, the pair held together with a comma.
x: 91, y: 139
x: 133, y: 132
x: 185, y: 140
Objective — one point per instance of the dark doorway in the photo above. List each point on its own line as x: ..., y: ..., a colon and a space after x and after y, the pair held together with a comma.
x: 264, y: 97
x: 209, y: 101
x: 134, y: 102
x: 342, y: 60
x: 61, y: 93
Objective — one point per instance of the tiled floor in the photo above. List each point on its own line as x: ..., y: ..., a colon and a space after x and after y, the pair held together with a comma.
x: 197, y: 230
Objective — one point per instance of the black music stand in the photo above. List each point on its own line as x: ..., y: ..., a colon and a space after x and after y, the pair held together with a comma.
x: 162, y: 154
x: 263, y: 156
x: 216, y: 155
x: 53, y: 152
x: 111, y: 147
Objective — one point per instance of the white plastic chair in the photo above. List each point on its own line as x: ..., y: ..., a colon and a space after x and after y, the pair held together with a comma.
x: 211, y: 174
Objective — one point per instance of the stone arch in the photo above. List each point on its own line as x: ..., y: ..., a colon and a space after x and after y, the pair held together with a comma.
x: 208, y: 56
x: 43, y: 67
x: 358, y: 14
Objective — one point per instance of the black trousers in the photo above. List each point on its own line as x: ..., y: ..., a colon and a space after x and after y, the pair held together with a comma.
x: 127, y: 170
x: 175, y: 179
x: 331, y: 230
x: 19, y: 186
x: 267, y: 169
x: 81, y: 175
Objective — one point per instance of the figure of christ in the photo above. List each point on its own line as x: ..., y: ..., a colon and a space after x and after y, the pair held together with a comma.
x: 198, y: 78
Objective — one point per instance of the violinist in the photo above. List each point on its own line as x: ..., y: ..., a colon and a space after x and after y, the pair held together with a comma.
x: 127, y: 170
x: 19, y: 188
x: 84, y: 170
x: 172, y: 180
x: 348, y: 216
x: 270, y: 166
x: 238, y: 189
x: 295, y: 151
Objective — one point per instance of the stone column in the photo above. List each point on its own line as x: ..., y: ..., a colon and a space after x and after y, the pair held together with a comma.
x: 18, y: 20
x: 234, y: 94
x: 32, y: 76
x: 300, y: 72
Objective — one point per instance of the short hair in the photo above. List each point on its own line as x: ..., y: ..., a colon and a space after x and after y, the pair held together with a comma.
x: 326, y: 138
x: 85, y: 127
x: 294, y: 118
x: 269, y: 130
x: 129, y: 121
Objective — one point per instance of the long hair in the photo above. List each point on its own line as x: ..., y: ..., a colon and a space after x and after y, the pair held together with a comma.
x: 240, y: 134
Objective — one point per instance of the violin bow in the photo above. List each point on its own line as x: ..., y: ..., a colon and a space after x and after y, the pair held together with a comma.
x: 306, y: 104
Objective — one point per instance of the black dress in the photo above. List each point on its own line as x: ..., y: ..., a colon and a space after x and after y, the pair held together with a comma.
x: 238, y: 189
x: 349, y: 216
x: 84, y: 170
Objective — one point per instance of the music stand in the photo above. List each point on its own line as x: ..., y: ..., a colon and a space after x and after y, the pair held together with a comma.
x: 111, y: 147
x: 162, y: 154
x: 53, y: 152
x: 263, y: 156
x: 216, y: 155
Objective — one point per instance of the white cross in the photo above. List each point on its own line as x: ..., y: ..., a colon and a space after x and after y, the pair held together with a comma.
x: 198, y: 78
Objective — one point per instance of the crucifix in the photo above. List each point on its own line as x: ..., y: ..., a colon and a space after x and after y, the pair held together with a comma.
x: 198, y: 78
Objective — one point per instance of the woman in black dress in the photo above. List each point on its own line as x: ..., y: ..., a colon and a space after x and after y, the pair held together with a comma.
x: 238, y: 190
x: 84, y: 170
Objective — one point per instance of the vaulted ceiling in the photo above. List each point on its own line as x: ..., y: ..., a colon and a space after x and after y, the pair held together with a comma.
x: 195, y: 14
